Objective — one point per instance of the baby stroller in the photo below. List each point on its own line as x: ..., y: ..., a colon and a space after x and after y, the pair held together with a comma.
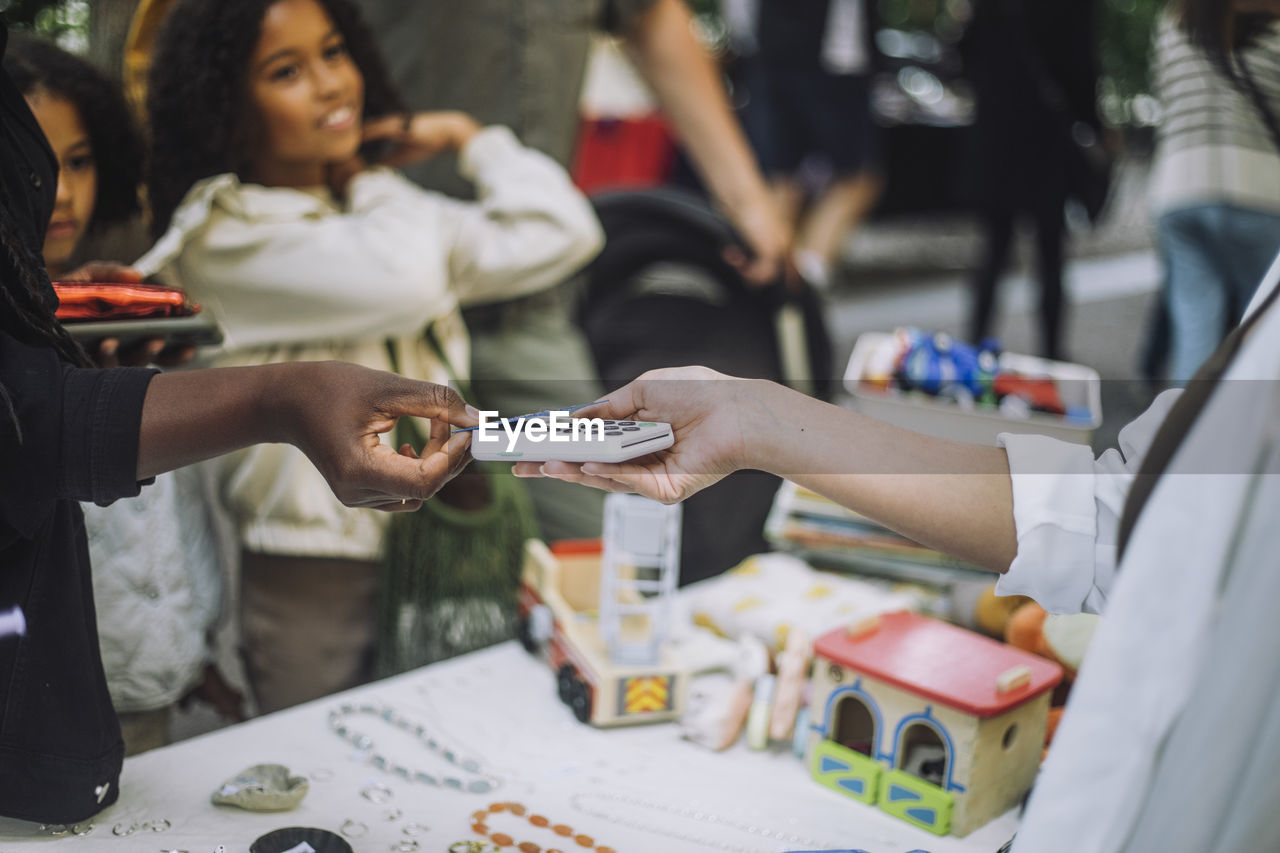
x: 660, y: 294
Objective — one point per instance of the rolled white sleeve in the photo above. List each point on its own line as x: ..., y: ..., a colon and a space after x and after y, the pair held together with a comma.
x: 278, y: 266
x: 286, y: 267
x: 1066, y: 509
x: 531, y: 228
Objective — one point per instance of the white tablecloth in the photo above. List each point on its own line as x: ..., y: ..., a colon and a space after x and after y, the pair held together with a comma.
x: 638, y: 790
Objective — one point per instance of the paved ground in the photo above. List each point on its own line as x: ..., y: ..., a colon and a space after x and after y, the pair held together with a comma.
x: 915, y: 273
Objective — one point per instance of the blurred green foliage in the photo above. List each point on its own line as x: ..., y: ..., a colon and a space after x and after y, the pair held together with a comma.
x: 1124, y: 51
x: 1124, y: 37
x: 64, y: 21
x: 1125, y: 28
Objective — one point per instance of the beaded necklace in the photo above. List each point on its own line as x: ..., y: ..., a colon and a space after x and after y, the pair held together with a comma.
x: 483, y: 784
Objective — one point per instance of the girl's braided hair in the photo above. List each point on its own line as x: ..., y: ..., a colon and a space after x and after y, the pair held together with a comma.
x: 197, y: 91
x: 25, y: 312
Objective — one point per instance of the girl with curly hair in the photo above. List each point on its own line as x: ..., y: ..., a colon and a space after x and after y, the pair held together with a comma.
x: 280, y: 223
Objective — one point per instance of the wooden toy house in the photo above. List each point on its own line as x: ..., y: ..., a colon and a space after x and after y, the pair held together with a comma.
x: 932, y: 723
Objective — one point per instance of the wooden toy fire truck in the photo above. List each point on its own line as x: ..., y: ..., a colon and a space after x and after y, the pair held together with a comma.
x: 600, y: 614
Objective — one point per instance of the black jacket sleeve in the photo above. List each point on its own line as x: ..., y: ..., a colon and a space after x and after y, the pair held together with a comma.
x: 65, y: 432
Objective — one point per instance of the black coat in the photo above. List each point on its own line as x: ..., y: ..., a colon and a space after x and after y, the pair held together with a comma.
x: 1020, y: 55
x: 66, y: 434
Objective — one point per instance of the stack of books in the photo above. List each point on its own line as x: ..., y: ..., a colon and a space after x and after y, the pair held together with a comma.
x: 830, y: 536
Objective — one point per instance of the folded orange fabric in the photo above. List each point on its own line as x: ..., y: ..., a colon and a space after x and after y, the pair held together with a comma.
x: 83, y: 300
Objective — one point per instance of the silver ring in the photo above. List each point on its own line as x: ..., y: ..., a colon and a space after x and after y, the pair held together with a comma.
x: 353, y: 828
x: 376, y: 793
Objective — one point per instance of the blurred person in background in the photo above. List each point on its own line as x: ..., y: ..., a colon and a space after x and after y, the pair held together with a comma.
x: 522, y: 64
x: 808, y: 115
x: 1034, y: 69
x: 1215, y: 183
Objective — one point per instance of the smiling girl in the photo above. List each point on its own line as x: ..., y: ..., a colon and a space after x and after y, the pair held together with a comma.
x: 304, y: 250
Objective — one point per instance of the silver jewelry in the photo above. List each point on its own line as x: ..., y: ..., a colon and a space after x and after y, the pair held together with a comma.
x: 470, y: 846
x: 482, y: 784
x: 392, y: 814
x: 415, y: 829
x: 121, y: 830
x: 775, y: 837
x: 376, y: 793
x: 408, y: 845
x: 353, y: 828
x: 83, y: 829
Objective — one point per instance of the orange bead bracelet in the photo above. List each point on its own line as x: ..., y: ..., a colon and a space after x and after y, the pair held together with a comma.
x: 480, y: 826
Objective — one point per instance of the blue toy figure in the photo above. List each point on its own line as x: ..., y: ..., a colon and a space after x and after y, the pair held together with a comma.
x: 942, y: 366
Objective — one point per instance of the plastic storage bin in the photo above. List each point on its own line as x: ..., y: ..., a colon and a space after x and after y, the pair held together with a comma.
x: 1079, y: 386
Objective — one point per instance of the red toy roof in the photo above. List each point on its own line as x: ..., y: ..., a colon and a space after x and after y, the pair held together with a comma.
x: 941, y: 661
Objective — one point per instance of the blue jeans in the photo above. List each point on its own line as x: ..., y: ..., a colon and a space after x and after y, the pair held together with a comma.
x: 1215, y: 257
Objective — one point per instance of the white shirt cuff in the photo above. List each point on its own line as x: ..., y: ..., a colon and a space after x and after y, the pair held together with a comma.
x: 1055, y: 517
x: 491, y: 142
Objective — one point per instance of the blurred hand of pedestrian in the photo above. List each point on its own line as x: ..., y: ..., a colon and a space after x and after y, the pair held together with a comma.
x: 710, y: 414
x: 420, y: 136
x: 768, y: 242
x: 107, y: 352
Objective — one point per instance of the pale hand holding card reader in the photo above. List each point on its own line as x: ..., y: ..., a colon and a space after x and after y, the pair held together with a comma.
x: 555, y: 435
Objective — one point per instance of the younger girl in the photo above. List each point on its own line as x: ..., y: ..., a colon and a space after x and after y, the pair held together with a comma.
x: 98, y: 149
x: 156, y: 583
x: 303, y: 251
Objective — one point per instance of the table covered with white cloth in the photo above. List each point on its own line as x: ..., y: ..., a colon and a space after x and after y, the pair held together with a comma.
x: 638, y: 789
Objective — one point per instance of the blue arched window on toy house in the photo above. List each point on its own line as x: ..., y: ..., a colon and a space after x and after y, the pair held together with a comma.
x: 853, y: 719
x: 923, y: 748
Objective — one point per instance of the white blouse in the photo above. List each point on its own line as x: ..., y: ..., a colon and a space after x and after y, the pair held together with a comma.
x: 1175, y: 610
